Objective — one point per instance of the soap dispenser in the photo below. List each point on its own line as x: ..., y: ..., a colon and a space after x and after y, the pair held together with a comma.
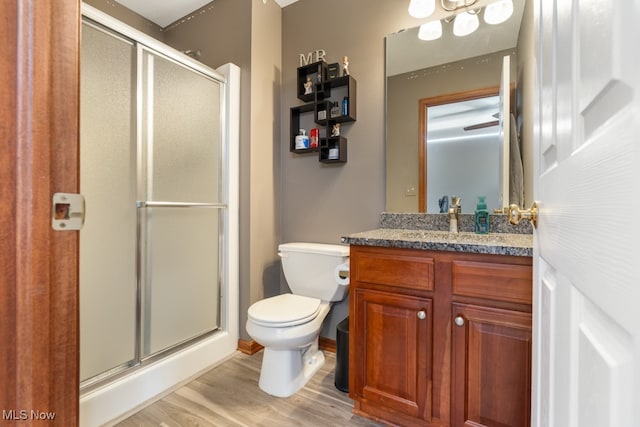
x: 482, y: 216
x: 302, y: 140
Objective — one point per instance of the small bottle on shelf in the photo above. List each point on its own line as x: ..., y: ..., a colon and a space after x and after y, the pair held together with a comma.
x: 335, y: 110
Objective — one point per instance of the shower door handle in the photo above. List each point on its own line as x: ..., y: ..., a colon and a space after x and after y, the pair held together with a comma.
x: 144, y: 204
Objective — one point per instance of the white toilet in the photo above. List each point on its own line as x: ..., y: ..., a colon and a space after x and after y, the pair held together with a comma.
x: 288, y: 325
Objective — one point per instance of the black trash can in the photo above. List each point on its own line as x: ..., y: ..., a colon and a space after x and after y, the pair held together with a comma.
x: 342, y: 356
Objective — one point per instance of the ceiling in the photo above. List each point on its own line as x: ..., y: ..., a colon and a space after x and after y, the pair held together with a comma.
x: 164, y: 13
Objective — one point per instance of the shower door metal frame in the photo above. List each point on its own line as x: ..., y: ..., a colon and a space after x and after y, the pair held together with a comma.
x: 115, y: 28
x: 178, y: 59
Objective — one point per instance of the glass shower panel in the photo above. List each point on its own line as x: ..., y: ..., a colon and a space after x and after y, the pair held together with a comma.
x: 181, y: 301
x: 108, y: 183
x: 184, y: 206
x: 184, y: 147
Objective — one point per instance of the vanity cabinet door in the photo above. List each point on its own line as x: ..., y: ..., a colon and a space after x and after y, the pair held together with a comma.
x: 391, y: 354
x: 491, y: 363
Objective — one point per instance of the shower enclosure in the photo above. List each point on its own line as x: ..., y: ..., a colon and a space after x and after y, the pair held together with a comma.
x: 156, y: 172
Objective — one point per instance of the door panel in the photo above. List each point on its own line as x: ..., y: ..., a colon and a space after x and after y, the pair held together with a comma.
x: 181, y: 164
x: 396, y: 348
x: 183, y: 139
x: 604, y: 369
x: 491, y: 367
x: 108, y: 183
x: 586, y: 284
x: 181, y: 298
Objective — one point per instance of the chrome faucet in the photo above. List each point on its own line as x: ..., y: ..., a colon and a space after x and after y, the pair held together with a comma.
x: 454, y: 212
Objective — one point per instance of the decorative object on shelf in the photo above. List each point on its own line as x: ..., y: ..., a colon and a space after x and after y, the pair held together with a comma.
x: 332, y: 70
x: 302, y: 140
x: 308, y: 86
x: 314, y: 137
x: 345, y: 66
x: 311, y: 57
x: 335, y: 110
x: 345, y: 106
x: 334, y: 153
x: 335, y: 130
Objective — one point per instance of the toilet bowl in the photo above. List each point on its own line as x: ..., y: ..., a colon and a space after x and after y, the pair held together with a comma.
x: 288, y: 325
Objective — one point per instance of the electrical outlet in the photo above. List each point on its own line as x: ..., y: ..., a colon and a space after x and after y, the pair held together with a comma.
x: 410, y: 190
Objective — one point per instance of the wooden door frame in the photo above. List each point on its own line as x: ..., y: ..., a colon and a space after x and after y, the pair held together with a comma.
x: 39, y: 80
x: 425, y: 103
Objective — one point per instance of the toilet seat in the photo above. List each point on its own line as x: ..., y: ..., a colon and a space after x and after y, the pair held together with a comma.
x: 284, y: 310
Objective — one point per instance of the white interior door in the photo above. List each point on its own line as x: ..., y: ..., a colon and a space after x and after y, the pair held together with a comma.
x: 586, y: 257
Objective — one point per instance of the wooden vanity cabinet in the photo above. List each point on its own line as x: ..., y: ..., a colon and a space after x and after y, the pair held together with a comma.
x: 440, y: 338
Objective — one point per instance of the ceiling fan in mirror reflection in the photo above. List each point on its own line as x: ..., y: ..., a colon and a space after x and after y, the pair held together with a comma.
x: 465, y: 22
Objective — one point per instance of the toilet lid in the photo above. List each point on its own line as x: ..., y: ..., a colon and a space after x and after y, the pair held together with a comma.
x: 284, y: 310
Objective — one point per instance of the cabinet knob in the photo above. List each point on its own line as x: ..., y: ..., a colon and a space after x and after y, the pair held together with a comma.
x: 459, y: 321
x: 422, y: 315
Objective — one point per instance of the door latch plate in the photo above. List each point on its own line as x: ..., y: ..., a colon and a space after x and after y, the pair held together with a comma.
x: 67, y: 211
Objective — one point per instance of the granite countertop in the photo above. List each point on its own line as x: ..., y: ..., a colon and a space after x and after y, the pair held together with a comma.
x: 422, y: 231
x: 495, y: 243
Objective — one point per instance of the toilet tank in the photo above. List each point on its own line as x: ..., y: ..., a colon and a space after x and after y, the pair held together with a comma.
x: 310, y: 269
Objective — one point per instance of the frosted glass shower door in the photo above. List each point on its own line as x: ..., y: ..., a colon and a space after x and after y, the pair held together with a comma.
x: 182, y: 206
x: 108, y: 183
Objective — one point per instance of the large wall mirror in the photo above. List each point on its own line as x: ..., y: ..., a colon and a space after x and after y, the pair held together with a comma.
x: 444, y: 120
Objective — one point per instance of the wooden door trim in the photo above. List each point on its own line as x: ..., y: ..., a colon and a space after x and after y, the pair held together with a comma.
x: 39, y: 76
x: 423, y: 104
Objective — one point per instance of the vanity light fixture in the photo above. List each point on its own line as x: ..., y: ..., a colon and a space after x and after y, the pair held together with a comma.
x: 456, y: 4
x: 421, y: 8
x: 465, y: 23
x: 498, y: 12
x: 430, y: 31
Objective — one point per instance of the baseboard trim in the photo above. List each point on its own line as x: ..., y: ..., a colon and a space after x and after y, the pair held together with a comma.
x: 252, y: 347
x: 249, y: 347
x: 327, y: 344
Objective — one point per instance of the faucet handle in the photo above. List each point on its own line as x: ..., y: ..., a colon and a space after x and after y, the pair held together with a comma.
x: 455, y: 201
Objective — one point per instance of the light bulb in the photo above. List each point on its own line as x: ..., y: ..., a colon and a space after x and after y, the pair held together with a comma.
x: 421, y: 8
x: 498, y: 12
x: 430, y: 31
x: 465, y: 24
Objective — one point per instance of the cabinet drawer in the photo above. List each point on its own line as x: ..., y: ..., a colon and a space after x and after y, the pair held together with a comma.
x: 502, y: 282
x: 404, y: 271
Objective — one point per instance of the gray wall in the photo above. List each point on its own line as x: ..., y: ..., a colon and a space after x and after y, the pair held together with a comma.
x: 322, y: 202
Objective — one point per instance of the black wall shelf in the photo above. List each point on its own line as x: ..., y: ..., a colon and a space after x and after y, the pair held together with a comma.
x: 311, y: 74
x: 331, y: 101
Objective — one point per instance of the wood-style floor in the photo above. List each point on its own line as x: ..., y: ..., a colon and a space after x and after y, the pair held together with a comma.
x: 228, y: 395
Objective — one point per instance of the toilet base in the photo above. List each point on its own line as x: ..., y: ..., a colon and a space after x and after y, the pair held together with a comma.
x: 284, y: 372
